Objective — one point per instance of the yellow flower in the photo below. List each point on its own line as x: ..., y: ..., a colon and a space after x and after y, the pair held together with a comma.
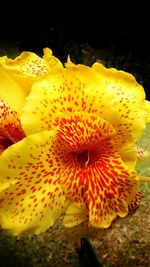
x: 79, y: 156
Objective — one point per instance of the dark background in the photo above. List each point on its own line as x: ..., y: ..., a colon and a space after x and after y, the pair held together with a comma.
x: 117, y: 34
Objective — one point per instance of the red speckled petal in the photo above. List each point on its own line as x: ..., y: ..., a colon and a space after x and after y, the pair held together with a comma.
x: 81, y: 89
x: 63, y: 92
x: 31, y: 198
x: 104, y: 188
x: 121, y: 82
x: 129, y: 100
x: 17, y: 75
x: 97, y: 180
x: 10, y: 126
x: 31, y: 65
x: 83, y: 130
x: 27, y: 64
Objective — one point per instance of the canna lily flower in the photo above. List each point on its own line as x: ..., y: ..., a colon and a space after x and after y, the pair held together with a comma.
x: 79, y: 154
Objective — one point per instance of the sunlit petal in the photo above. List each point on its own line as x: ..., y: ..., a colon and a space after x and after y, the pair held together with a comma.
x: 30, y: 198
x: 121, y: 82
x: 129, y: 100
x: 11, y: 91
x: 27, y: 64
x: 32, y: 65
x: 80, y: 88
x: 23, y: 71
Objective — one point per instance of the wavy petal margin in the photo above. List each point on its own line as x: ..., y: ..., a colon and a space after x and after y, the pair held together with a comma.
x: 81, y: 89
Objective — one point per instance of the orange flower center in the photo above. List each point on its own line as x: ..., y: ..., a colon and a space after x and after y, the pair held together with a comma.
x: 94, y: 176
x: 83, y: 157
x: 4, y: 143
x: 90, y: 155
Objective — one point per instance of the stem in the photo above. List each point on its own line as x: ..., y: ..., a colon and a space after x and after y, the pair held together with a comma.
x: 87, y: 254
x: 144, y: 179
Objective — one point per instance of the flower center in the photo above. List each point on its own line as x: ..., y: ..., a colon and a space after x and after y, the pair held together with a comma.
x: 83, y: 157
x: 4, y: 143
x: 84, y: 139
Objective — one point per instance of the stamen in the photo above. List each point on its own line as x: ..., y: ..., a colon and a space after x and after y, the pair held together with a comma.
x: 88, y: 159
x: 83, y: 158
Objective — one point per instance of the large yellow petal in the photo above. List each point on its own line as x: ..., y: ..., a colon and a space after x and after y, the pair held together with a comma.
x: 104, y: 189
x: 27, y: 67
x: 24, y: 69
x: 121, y: 82
x: 61, y: 92
x: 130, y: 98
x: 80, y: 88
x: 31, y: 198
x: 31, y: 65
x: 27, y: 64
